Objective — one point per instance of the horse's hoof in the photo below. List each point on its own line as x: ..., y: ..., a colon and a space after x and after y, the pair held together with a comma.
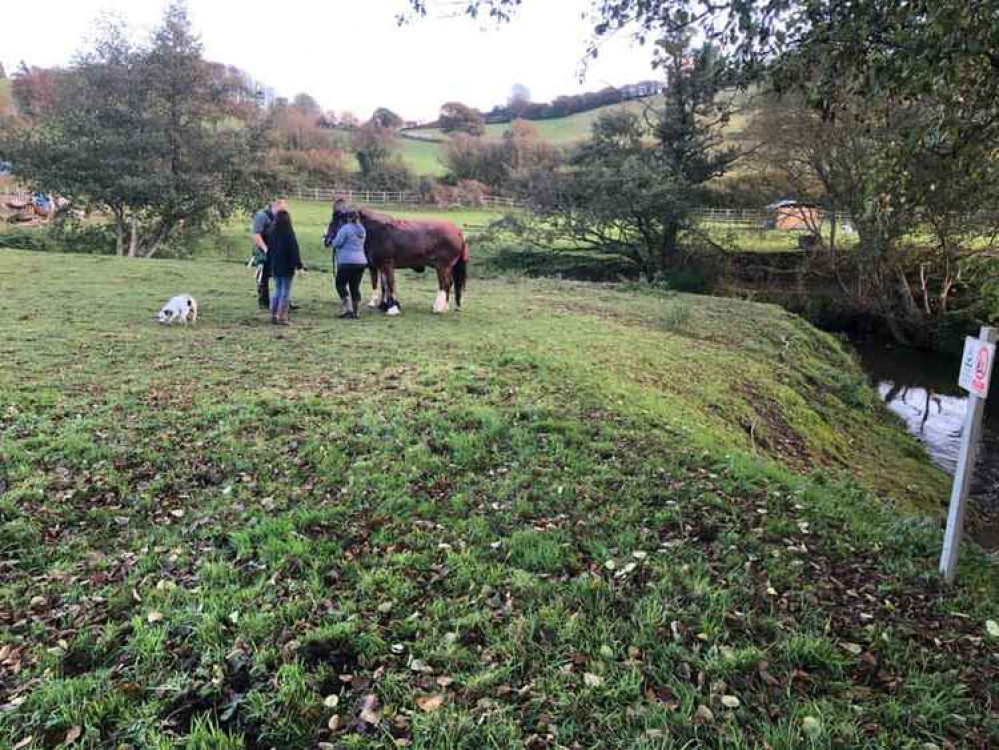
x: 394, y: 311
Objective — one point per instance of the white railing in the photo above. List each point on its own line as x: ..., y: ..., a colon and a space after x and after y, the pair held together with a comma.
x: 16, y: 196
x: 389, y: 197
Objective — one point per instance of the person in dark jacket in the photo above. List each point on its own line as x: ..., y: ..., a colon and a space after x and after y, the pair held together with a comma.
x: 351, y: 263
x: 283, y: 259
x: 263, y: 223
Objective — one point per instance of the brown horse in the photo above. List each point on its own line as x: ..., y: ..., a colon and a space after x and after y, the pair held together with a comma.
x: 393, y: 244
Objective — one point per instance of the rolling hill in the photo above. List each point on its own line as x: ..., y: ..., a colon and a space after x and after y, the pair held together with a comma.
x: 422, y: 148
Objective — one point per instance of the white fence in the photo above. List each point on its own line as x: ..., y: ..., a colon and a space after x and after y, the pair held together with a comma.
x: 387, y: 197
x: 15, y: 196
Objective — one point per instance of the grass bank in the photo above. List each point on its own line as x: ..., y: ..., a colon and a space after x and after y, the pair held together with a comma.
x: 571, y: 516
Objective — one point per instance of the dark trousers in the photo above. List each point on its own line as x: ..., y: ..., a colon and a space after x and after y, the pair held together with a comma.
x: 348, y: 277
x: 264, y: 286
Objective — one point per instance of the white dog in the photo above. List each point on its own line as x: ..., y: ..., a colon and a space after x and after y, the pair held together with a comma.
x: 183, y: 308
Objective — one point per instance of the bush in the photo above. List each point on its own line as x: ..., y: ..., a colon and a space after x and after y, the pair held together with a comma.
x: 312, y: 167
x: 465, y: 193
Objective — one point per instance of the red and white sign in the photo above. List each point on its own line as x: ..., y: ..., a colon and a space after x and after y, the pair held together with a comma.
x: 976, y: 366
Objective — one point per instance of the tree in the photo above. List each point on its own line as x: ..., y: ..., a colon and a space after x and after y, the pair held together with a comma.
x: 306, y: 104
x: 520, y: 100
x: 847, y: 166
x: 33, y: 90
x: 349, y: 121
x: 631, y: 189
x: 379, y: 160
x: 456, y: 117
x: 145, y: 134
x: 387, y: 119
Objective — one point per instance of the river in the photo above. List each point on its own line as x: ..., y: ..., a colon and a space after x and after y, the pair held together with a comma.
x: 921, y: 388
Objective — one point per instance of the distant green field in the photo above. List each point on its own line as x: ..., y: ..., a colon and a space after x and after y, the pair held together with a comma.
x: 423, y: 157
x: 560, y: 131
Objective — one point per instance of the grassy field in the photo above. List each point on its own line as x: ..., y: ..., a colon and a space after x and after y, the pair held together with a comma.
x: 567, y: 517
x: 423, y: 157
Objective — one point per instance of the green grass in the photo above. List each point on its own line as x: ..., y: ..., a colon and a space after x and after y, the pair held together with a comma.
x: 424, y: 158
x: 569, y: 516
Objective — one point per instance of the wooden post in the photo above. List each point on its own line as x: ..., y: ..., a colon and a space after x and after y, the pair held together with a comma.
x: 965, y: 468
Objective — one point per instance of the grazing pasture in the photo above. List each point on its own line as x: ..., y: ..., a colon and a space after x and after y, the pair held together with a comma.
x: 569, y: 516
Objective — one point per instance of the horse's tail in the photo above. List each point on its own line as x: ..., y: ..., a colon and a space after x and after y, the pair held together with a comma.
x: 460, y: 275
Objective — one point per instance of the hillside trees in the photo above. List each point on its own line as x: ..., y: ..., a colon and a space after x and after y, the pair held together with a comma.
x: 145, y: 134
x: 456, y: 117
x: 503, y: 165
x: 387, y: 119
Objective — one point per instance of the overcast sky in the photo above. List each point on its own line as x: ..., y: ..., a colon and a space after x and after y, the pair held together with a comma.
x: 351, y: 54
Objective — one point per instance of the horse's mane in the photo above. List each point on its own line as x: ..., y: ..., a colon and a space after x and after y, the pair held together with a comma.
x: 373, y: 217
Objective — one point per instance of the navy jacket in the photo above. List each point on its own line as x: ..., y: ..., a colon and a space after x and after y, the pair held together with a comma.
x: 283, y: 254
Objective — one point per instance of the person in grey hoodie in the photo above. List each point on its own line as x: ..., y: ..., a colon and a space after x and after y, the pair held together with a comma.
x: 351, y: 263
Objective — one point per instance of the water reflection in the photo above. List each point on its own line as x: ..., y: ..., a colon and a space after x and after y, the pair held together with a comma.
x: 936, y: 419
x: 921, y: 388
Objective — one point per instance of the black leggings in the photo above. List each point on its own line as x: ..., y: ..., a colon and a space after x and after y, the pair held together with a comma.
x: 350, y: 275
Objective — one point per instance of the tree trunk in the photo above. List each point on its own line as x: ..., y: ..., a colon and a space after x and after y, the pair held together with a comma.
x: 133, y: 242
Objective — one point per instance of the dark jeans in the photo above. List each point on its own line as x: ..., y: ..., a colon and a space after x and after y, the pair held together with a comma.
x: 264, y: 286
x: 350, y: 276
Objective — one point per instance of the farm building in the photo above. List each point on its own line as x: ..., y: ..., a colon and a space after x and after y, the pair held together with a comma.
x: 794, y: 216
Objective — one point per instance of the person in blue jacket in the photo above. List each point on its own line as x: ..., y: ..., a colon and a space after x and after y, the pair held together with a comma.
x: 351, y: 263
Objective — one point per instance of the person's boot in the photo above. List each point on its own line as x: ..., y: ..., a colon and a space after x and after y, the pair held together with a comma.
x: 347, y: 310
x: 283, y: 314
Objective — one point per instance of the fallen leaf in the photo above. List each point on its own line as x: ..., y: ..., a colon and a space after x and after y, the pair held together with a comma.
x: 420, y: 666
x: 730, y: 701
x: 852, y: 648
x: 331, y: 701
x: 154, y: 616
x: 445, y: 682
x: 73, y: 734
x: 592, y: 680
x: 704, y: 714
x: 429, y: 703
x: 334, y: 722
x: 369, y: 710
x: 992, y: 627
x: 811, y: 726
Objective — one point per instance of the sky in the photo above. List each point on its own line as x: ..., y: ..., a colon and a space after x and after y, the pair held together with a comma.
x: 351, y: 55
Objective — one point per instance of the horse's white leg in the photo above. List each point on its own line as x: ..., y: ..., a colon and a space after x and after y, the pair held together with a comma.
x: 378, y: 293
x: 388, y: 287
x: 440, y: 303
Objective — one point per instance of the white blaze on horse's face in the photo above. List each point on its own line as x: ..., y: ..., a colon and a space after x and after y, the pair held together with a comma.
x: 440, y: 304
